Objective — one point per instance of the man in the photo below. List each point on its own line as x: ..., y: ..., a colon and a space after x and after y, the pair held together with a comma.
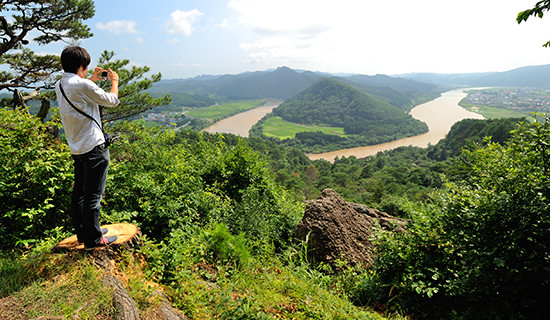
x: 86, y: 141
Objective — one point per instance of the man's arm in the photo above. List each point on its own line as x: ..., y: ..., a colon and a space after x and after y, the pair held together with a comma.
x: 113, y: 76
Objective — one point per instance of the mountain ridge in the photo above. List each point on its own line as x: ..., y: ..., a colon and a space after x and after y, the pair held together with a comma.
x: 529, y: 76
x: 427, y: 78
x: 402, y: 90
x: 283, y: 83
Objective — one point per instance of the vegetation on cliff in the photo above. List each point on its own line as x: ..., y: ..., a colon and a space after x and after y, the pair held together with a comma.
x: 219, y: 224
x: 218, y: 212
x: 480, y: 252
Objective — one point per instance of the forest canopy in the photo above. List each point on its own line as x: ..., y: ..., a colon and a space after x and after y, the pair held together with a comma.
x: 331, y: 102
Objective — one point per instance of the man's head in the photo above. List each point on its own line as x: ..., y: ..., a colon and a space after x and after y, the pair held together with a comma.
x: 72, y: 58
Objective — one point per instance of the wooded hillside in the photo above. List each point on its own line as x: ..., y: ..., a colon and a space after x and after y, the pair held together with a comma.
x: 331, y: 102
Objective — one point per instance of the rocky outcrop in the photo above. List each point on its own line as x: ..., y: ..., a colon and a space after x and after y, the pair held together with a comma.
x: 385, y: 220
x: 337, y: 229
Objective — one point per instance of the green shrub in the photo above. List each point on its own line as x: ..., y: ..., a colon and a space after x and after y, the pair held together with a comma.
x: 167, y: 182
x: 221, y: 247
x: 483, y: 254
x: 35, y: 179
x: 185, y: 249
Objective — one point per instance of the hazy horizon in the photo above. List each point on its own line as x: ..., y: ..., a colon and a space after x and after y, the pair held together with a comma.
x: 216, y: 37
x: 347, y: 73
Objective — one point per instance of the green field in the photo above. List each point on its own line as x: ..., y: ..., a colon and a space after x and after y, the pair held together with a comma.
x: 493, y: 112
x: 279, y: 128
x: 224, y: 110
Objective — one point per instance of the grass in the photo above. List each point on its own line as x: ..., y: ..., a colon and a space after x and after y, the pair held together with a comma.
x: 261, y: 291
x: 292, y: 293
x: 38, y: 284
x: 493, y: 112
x: 268, y: 286
x: 279, y: 128
x: 54, y: 286
x: 224, y: 110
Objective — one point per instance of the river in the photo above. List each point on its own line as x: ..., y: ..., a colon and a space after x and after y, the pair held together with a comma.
x: 241, y: 123
x: 439, y: 114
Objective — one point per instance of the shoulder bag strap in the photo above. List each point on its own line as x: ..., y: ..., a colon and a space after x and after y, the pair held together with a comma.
x: 79, y: 111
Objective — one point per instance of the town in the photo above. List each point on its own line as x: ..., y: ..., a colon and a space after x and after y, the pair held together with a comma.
x: 524, y: 100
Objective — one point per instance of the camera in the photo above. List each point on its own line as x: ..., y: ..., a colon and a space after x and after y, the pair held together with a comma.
x: 104, y: 74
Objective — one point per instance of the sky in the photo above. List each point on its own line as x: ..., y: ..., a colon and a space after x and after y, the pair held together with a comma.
x: 183, y: 39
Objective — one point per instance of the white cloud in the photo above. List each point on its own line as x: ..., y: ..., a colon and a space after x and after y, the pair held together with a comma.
x: 181, y: 22
x: 224, y: 24
x: 385, y: 37
x: 173, y: 41
x: 118, y: 26
x: 297, y: 33
x: 280, y: 50
x: 42, y: 54
x: 286, y: 17
x: 139, y: 40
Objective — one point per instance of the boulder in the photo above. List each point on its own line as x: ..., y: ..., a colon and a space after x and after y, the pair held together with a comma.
x: 337, y: 229
x: 334, y: 230
x: 386, y: 221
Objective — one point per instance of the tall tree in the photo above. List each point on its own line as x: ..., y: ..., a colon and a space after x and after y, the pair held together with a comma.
x: 132, y: 85
x: 49, y: 21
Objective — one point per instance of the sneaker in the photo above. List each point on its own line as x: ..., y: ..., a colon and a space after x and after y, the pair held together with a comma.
x: 105, y: 241
x: 103, y: 232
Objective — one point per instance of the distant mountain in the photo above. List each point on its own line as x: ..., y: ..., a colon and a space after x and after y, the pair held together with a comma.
x: 403, y: 91
x: 532, y: 76
x: 334, y: 103
x: 283, y: 83
x: 400, y: 84
x: 399, y: 92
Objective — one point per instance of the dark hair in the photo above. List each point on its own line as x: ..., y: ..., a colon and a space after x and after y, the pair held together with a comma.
x: 72, y: 58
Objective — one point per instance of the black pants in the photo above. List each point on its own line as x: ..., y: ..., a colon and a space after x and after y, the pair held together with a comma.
x: 90, y: 175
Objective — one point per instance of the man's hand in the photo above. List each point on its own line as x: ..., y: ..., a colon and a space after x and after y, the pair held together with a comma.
x: 95, y: 77
x: 113, y: 76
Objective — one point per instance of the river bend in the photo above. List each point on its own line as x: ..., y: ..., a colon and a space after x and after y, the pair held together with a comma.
x: 439, y: 114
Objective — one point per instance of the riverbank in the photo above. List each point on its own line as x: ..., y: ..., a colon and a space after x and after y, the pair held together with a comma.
x: 241, y: 123
x: 439, y: 114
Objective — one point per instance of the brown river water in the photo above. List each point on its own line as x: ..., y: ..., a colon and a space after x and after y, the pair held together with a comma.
x: 241, y: 123
x: 439, y: 114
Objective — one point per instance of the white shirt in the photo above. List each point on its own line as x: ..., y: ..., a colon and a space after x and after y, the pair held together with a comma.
x: 81, y: 132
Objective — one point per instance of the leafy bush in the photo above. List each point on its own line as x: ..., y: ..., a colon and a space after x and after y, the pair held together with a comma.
x: 223, y: 247
x: 483, y: 254
x: 166, y: 181
x: 35, y: 178
x: 154, y: 184
x: 213, y: 245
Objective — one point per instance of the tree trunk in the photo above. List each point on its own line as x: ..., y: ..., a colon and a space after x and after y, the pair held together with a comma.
x: 44, y: 109
x: 126, y: 308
